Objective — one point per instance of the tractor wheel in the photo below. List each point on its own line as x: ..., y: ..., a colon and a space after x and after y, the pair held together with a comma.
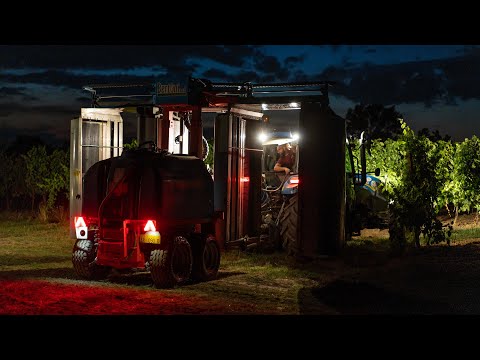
x: 83, y: 259
x: 288, y: 226
x: 173, y: 265
x: 206, y: 259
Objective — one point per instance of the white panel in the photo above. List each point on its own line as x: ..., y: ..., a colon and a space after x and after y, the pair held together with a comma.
x: 120, y: 137
x: 186, y: 136
x: 75, y: 172
x: 104, y: 118
x: 115, y: 139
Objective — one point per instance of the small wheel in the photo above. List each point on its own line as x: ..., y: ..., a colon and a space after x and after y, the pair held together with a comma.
x: 83, y: 259
x: 206, y: 258
x: 171, y: 266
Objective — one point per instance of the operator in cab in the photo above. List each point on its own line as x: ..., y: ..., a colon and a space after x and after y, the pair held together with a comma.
x: 286, y: 160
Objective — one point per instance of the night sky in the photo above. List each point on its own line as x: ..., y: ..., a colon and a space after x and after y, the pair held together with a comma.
x: 433, y: 86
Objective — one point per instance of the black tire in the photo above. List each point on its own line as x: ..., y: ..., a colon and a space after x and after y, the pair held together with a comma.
x: 288, y: 226
x: 83, y: 259
x: 171, y: 266
x: 206, y: 259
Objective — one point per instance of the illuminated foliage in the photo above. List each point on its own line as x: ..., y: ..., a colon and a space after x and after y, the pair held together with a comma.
x: 36, y: 163
x: 415, y: 199
x: 46, y: 175
x: 131, y: 146
x: 466, y: 177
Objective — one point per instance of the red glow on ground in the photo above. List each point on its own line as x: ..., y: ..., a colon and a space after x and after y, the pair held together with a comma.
x: 39, y: 297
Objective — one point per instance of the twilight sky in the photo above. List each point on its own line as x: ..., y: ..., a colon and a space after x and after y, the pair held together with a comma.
x: 434, y: 86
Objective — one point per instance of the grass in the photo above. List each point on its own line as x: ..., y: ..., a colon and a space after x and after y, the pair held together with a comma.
x: 465, y: 234
x: 31, y: 244
x: 37, y: 278
x: 268, y: 284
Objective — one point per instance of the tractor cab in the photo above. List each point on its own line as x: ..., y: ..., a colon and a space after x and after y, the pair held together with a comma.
x: 270, y: 155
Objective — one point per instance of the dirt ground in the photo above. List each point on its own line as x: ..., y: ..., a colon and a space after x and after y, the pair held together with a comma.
x: 431, y: 280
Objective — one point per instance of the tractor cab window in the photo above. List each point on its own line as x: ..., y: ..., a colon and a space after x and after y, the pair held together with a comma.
x: 270, y: 157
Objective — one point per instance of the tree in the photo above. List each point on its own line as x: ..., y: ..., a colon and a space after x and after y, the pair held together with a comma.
x: 433, y: 136
x: 6, y: 177
x: 57, y: 179
x: 380, y: 122
x: 36, y: 163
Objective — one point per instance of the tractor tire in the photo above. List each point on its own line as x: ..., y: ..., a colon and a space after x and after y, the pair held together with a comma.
x: 83, y: 259
x: 288, y: 226
x: 172, y: 266
x: 206, y: 259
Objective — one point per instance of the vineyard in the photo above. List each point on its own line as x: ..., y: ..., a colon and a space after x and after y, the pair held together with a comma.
x: 453, y: 167
x: 423, y: 179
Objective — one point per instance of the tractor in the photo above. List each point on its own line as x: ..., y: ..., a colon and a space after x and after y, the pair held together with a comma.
x: 366, y: 207
x: 279, y: 192
x: 147, y: 210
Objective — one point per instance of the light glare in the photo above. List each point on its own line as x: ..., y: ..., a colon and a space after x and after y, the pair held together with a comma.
x: 149, y: 226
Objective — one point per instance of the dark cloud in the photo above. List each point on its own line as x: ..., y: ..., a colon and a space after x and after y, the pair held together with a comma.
x: 269, y: 67
x: 216, y: 74
x: 8, y: 92
x: 83, y: 99
x: 294, y: 60
x: 69, y: 80
x: 27, y: 109
x: 335, y: 48
x: 47, y: 65
x: 118, y: 57
x: 268, y: 64
x: 420, y: 81
x: 245, y: 76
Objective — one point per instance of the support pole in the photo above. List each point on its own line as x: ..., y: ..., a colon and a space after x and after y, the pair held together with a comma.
x: 195, y: 143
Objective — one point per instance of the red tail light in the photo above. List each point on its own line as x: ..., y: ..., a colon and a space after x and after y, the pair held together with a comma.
x: 294, y: 181
x: 79, y: 222
x: 150, y: 226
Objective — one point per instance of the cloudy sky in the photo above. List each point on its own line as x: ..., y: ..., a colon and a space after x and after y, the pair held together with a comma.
x: 434, y: 86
